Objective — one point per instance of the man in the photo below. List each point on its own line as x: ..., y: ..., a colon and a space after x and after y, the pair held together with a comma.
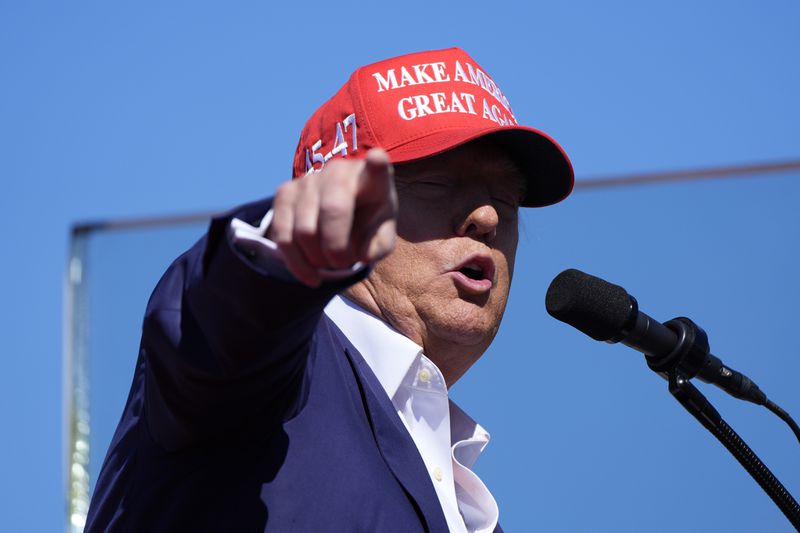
x: 294, y: 364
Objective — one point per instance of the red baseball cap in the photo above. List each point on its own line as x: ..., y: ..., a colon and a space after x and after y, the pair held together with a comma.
x: 419, y: 105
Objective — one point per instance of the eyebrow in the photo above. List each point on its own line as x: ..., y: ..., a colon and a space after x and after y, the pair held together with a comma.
x: 504, y: 165
x: 510, y: 167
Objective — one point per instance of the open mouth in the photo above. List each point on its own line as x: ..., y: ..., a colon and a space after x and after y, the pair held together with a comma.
x: 472, y: 272
x: 476, y: 273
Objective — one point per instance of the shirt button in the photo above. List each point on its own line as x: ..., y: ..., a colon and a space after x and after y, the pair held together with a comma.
x: 437, y: 473
x: 425, y: 375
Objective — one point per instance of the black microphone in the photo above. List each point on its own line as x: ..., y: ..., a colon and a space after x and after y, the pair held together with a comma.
x: 606, y: 312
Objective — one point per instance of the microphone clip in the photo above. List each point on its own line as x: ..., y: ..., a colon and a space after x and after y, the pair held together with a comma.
x: 690, y: 353
x: 692, y: 357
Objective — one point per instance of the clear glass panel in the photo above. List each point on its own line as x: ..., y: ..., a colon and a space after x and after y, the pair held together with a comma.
x: 574, y: 420
x: 124, y: 268
x: 112, y: 273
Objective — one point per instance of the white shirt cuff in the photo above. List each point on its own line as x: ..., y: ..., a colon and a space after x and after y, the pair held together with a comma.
x: 264, y: 253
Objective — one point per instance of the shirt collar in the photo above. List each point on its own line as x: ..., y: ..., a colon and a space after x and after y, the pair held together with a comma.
x: 390, y: 355
x: 388, y: 352
x: 468, y: 437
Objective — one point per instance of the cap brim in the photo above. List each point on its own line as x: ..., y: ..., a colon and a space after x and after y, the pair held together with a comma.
x: 541, y: 159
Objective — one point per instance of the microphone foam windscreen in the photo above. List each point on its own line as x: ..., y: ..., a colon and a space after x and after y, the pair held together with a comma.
x: 594, y: 306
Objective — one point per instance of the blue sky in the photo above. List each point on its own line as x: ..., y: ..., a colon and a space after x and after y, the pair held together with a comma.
x: 111, y: 111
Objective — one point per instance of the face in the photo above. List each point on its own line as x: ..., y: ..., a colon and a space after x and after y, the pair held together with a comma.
x: 446, y: 283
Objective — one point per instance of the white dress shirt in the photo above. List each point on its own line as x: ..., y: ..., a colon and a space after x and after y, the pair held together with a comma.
x: 448, y: 440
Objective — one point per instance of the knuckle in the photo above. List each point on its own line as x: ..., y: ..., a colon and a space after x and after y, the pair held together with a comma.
x: 340, y: 172
x: 301, y: 186
x: 284, y: 242
x: 284, y: 192
x: 304, y: 231
x: 334, y: 208
x: 335, y: 166
x: 280, y: 230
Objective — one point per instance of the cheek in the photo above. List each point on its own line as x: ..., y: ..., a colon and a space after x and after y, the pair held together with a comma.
x: 507, y: 245
x: 408, y: 268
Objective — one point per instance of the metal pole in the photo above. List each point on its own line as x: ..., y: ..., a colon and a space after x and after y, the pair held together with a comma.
x: 76, y: 384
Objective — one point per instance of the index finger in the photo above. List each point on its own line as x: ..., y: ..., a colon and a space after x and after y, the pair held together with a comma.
x: 376, y: 180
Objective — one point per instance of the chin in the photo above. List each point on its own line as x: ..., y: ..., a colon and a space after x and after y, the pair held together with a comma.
x: 465, y: 323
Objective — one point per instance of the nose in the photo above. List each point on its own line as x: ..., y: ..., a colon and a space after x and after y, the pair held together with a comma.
x: 479, y: 223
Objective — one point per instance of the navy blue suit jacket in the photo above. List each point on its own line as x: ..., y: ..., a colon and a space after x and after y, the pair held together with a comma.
x: 251, y: 411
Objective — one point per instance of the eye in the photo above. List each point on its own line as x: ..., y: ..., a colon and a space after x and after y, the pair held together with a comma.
x: 427, y: 186
x: 509, y: 194
x: 507, y: 199
x: 432, y: 183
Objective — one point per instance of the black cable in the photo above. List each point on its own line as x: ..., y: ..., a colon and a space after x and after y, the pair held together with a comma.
x: 772, y: 406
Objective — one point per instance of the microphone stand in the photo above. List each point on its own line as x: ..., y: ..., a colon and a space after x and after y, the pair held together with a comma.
x: 671, y: 367
x: 700, y: 408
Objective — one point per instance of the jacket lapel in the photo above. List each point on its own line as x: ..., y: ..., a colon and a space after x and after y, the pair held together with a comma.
x: 395, y: 444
